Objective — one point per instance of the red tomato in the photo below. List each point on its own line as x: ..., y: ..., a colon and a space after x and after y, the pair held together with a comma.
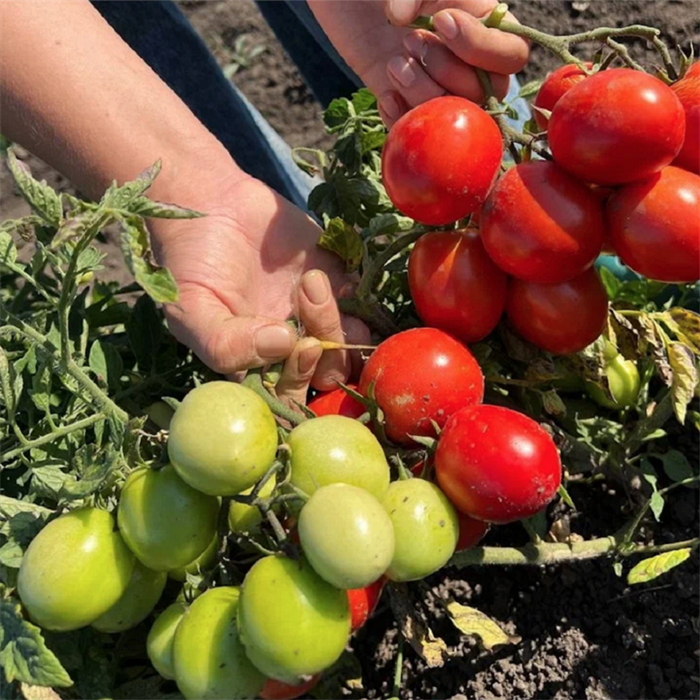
x: 555, y: 85
x: 363, y: 601
x: 688, y: 92
x: 440, y: 160
x: 455, y: 285
x: 337, y: 403
x: 540, y: 224
x: 277, y: 690
x: 496, y: 464
x: 618, y: 126
x: 560, y: 318
x: 471, y: 531
x: 655, y: 225
x: 419, y: 376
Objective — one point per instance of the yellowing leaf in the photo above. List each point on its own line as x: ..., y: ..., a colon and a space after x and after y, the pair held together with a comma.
x: 38, y: 692
x: 342, y: 239
x: 651, y: 568
x: 688, y: 323
x: 685, y: 378
x: 471, y: 621
x: 434, y: 650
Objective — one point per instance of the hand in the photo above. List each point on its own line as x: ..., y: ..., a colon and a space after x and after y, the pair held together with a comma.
x: 405, y: 67
x: 245, y: 268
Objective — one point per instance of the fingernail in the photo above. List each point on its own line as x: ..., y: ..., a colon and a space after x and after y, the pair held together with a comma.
x: 390, y: 106
x: 273, y: 342
x: 316, y: 287
x: 402, y: 10
x: 445, y: 25
x: 415, y: 45
x: 401, y: 69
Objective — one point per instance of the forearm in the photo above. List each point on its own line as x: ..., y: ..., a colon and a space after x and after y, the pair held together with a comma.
x: 73, y: 93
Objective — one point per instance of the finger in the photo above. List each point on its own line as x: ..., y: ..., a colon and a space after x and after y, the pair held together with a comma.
x: 484, y: 47
x: 449, y: 71
x: 391, y: 107
x: 411, y: 81
x: 225, y: 342
x: 298, y: 371
x: 356, y: 333
x: 402, y: 12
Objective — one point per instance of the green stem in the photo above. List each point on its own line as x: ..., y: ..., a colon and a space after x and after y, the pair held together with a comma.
x: 254, y: 381
x: 372, y: 313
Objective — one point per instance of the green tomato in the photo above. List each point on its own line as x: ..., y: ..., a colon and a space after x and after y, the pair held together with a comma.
x: 223, y: 438
x: 337, y: 449
x: 208, y: 657
x: 166, y: 523
x: 426, y: 529
x: 201, y: 563
x: 137, y: 603
x: 161, y: 414
x: 624, y: 383
x: 346, y: 535
x: 245, y: 518
x: 159, y: 643
x: 74, y: 570
x: 292, y: 622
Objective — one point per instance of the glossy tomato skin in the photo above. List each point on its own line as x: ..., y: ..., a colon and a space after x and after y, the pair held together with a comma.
x: 542, y: 225
x: 202, y: 563
x: 471, y: 531
x: 688, y: 91
x: 277, y: 690
x: 555, y: 85
x: 337, y: 403
x: 159, y: 643
x: 363, y: 601
x: 440, y: 160
x: 618, y: 126
x: 455, y: 285
x: 559, y: 318
x: 74, y: 570
x: 496, y: 464
x: 421, y: 375
x: 655, y: 225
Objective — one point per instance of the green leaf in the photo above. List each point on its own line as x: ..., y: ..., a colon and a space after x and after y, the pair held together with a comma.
x: 372, y: 140
x: 9, y: 507
x: 343, y: 240
x: 23, y: 652
x: 564, y: 495
x: 610, y: 282
x: 106, y: 362
x: 8, y: 385
x: 530, y: 89
x: 676, y: 465
x: 364, y: 101
x: 41, y: 387
x: 145, y: 331
x: 48, y: 481
x: 656, y: 502
x: 8, y: 250
x: 122, y: 197
x: 42, y: 199
x: 685, y: 378
x: 537, y: 524
x: 473, y: 622
x: 387, y: 224
x: 348, y: 148
x: 337, y: 113
x: 93, y: 470
x: 19, y: 531
x: 653, y: 567
x: 143, y: 206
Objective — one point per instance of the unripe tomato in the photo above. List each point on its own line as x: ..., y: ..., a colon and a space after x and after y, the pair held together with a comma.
x: 201, y: 563
x: 559, y: 318
x: 426, y: 529
x: 623, y: 381
x: 161, y: 414
x: 223, y: 438
x: 74, y: 570
x: 276, y: 690
x: 556, y: 84
x: 209, y: 658
x: 245, y: 518
x: 540, y: 224
x: 137, y: 602
x: 337, y: 403
x: 688, y: 91
x: 346, y: 535
x: 440, y: 160
x: 618, y: 126
x: 166, y: 523
x: 655, y: 225
x: 496, y: 464
x: 454, y: 284
x: 421, y: 375
x: 159, y: 643
x: 471, y: 531
x: 363, y: 601
x: 292, y: 622
x: 337, y: 449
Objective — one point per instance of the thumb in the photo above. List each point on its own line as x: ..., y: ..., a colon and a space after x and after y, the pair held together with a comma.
x: 402, y: 12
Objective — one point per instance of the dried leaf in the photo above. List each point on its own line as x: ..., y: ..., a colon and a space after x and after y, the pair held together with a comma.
x: 688, y: 323
x: 653, y: 567
x: 38, y: 692
x: 553, y: 404
x: 473, y: 622
x: 685, y: 378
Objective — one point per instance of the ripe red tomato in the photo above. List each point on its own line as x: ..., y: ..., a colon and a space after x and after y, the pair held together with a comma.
x: 560, y: 318
x: 540, y: 224
x: 555, y: 85
x: 337, y: 403
x: 421, y: 375
x: 278, y: 690
x: 470, y: 531
x: 496, y: 464
x: 688, y: 92
x: 440, y: 160
x: 655, y: 225
x: 618, y: 126
x: 455, y: 285
x: 363, y: 601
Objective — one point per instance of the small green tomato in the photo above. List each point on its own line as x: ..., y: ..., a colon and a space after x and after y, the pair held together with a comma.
x: 245, y: 518
x: 159, y: 643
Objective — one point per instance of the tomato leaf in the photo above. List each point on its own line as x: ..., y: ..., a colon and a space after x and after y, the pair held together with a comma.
x: 343, y: 240
x: 653, y: 567
x: 688, y: 325
x: 8, y: 250
x: 564, y: 495
x: 610, y: 282
x: 552, y: 403
x: 676, y: 465
x: 473, y: 622
x: 93, y: 468
x: 685, y: 378
x: 143, y: 206
x: 656, y: 502
x: 40, y: 197
x: 145, y: 331
x: 530, y: 89
x: 122, y: 197
x: 387, y: 224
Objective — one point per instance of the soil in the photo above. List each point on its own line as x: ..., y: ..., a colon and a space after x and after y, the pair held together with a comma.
x: 585, y: 633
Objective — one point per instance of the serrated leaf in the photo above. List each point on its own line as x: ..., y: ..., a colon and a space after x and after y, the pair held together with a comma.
x: 48, y: 481
x: 651, y: 568
x: 41, y: 387
x: 364, y: 101
x: 41, y: 198
x: 372, y: 141
x: 343, y: 240
x: 10, y: 507
x: 685, y: 378
x: 19, y: 531
x: 93, y: 469
x: 106, y: 362
x: 11, y: 555
x: 530, y: 89
x: 122, y: 197
x: 337, y: 113
x: 149, y: 208
x: 473, y: 622
x: 72, y: 228
x: 689, y: 325
x: 24, y: 655
x: 8, y: 250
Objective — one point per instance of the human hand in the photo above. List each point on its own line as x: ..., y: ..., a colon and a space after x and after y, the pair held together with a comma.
x: 405, y: 67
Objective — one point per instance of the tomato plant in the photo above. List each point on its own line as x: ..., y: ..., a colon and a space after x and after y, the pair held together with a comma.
x: 455, y: 285
x: 688, y: 92
x: 556, y: 84
x: 419, y: 376
x: 618, y: 126
x: 542, y: 225
x: 559, y: 318
x: 337, y: 403
x: 161, y: 638
x: 363, y: 601
x: 440, y: 160
x: 496, y: 464
x: 655, y: 227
